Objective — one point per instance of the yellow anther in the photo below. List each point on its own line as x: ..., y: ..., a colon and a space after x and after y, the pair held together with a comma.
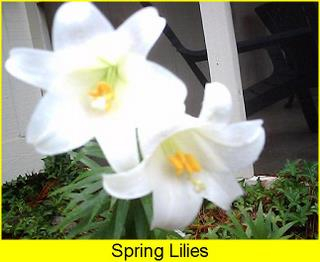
x: 182, y: 159
x: 176, y: 164
x: 187, y: 163
x: 193, y: 162
x: 102, y: 96
x: 184, y: 163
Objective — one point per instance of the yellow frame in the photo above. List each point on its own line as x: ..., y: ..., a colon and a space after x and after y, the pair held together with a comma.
x: 218, y: 250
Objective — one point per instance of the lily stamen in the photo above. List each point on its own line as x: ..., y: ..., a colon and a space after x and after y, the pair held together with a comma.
x: 102, y: 96
x: 187, y: 163
x: 183, y: 162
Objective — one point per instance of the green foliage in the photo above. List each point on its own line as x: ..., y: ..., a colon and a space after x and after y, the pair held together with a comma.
x: 297, y: 193
x: 286, y: 209
x: 67, y: 200
x: 92, y: 214
x: 27, y: 210
x: 264, y: 226
x: 86, y: 203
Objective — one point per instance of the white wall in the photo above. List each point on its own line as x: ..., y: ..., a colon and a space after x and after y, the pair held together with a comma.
x: 18, y: 98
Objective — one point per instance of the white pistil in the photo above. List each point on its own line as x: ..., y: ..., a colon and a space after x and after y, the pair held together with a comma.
x: 99, y: 103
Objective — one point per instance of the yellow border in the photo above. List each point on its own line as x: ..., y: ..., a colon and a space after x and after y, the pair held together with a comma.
x: 218, y: 250
x: 245, y: 1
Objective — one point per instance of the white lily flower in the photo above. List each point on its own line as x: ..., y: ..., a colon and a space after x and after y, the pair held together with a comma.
x: 98, y: 82
x: 191, y: 160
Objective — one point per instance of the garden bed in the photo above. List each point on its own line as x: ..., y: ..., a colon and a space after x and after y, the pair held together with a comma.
x: 34, y: 206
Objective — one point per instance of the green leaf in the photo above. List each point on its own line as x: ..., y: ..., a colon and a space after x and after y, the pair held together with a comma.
x: 120, y: 217
x: 98, y: 205
x: 281, y: 231
x: 248, y: 220
x: 260, y: 230
x: 103, y: 230
x: 85, y: 160
x: 87, y: 178
x: 92, y: 149
x: 237, y: 230
x: 140, y: 219
x: 147, y: 206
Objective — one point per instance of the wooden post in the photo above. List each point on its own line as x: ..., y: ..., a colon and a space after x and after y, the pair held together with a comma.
x: 223, y: 56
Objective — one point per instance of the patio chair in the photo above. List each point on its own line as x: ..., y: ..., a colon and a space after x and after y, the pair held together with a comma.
x: 300, y: 54
x: 292, y: 47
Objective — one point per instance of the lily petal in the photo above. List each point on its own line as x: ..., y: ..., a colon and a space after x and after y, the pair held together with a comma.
x: 216, y: 105
x: 119, y: 144
x: 175, y: 203
x: 76, y: 23
x: 34, y: 66
x: 128, y: 185
x: 235, y: 147
x: 221, y: 189
x: 152, y: 135
x: 153, y: 88
x: 138, y: 181
x: 144, y: 28
x: 54, y: 128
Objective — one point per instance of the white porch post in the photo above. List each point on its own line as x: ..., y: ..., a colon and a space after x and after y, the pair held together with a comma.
x: 223, y: 56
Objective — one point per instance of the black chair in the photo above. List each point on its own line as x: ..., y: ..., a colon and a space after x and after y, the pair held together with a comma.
x: 292, y: 47
x: 299, y: 54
